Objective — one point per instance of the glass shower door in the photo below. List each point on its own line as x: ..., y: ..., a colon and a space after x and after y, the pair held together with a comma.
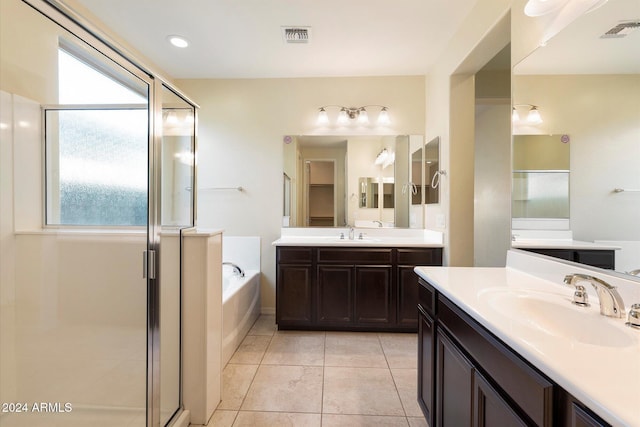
x: 177, y: 193
x: 74, y: 226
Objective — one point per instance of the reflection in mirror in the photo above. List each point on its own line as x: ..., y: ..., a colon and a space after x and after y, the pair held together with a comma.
x: 416, y: 177
x: 178, y: 154
x: 319, y: 194
x: 432, y: 171
x: 368, y: 190
x: 388, y: 193
x: 540, y: 180
x: 286, y: 199
x: 588, y: 86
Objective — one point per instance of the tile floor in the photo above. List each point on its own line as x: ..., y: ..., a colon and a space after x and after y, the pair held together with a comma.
x: 300, y: 379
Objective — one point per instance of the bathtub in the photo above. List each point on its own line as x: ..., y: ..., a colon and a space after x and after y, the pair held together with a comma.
x: 240, y: 295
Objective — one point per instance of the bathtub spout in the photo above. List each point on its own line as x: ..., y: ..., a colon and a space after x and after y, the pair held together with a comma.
x: 236, y: 269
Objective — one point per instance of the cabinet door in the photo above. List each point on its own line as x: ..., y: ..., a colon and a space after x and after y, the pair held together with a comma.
x: 490, y: 409
x: 293, y: 295
x: 582, y: 418
x: 373, y: 297
x: 426, y: 368
x: 335, y: 294
x: 407, y: 296
x: 454, y: 380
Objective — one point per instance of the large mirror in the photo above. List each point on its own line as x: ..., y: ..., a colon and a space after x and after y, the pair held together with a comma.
x: 586, y: 87
x: 361, y: 181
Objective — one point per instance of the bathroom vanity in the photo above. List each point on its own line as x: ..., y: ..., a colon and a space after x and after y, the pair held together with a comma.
x: 368, y: 284
x: 499, y: 346
x: 588, y: 253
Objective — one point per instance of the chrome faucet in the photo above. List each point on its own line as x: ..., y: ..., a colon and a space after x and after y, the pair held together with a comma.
x: 610, y: 300
x: 351, y: 233
x: 236, y: 269
x: 379, y: 223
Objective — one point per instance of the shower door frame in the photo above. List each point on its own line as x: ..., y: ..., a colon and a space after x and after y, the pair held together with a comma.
x: 66, y: 18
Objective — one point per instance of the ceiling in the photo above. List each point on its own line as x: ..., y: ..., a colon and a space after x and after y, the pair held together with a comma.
x: 243, y: 38
x: 579, y: 49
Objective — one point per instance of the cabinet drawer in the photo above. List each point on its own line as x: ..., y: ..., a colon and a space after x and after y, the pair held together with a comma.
x: 354, y: 256
x: 426, y: 297
x: 425, y: 256
x: 523, y: 385
x: 293, y: 254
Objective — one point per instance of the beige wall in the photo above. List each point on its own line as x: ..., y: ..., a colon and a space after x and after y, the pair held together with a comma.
x: 29, y: 46
x: 492, y: 185
x: 241, y: 127
x: 450, y: 115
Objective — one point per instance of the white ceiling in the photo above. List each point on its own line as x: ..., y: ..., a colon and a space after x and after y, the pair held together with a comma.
x: 578, y: 48
x: 243, y: 39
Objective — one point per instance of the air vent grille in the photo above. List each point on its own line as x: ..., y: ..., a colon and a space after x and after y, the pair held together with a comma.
x: 621, y: 30
x: 296, y: 34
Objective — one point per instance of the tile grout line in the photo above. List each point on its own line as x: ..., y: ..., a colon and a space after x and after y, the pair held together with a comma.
x: 395, y: 384
x: 254, y: 375
x: 324, y: 363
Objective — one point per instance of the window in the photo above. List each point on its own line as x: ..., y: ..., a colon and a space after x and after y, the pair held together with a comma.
x: 96, y: 144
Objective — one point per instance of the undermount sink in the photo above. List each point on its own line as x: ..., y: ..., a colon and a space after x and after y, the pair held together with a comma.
x: 354, y: 240
x: 554, y: 315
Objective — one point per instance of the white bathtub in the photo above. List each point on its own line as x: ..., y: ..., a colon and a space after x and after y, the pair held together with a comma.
x: 240, y: 295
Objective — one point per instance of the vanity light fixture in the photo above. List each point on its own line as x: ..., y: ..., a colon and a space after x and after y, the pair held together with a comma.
x: 358, y: 114
x: 178, y: 117
x: 385, y: 158
x: 533, y: 117
x: 172, y: 118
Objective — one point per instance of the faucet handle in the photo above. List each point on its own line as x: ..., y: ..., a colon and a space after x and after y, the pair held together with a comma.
x: 634, y: 316
x: 581, y: 297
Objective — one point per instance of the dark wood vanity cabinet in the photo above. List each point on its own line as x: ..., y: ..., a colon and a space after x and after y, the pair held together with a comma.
x: 467, y: 376
x: 295, y: 276
x: 601, y: 258
x: 354, y: 288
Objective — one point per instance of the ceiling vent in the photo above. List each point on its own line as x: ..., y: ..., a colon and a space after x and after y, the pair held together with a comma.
x: 296, y: 34
x: 621, y: 30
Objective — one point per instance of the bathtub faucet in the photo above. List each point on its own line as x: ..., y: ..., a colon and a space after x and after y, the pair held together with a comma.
x: 236, y: 269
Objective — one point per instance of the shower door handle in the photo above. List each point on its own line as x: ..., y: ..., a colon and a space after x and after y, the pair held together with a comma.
x: 149, y: 264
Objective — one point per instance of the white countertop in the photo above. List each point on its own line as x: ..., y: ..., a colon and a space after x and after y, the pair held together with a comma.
x: 559, y: 244
x: 366, y: 242
x: 604, y: 378
x: 371, y: 237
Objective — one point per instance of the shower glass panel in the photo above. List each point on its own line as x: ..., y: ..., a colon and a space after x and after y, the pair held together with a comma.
x: 73, y: 301
x: 178, y: 155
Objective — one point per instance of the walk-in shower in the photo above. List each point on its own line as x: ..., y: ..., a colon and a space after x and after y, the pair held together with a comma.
x: 97, y: 165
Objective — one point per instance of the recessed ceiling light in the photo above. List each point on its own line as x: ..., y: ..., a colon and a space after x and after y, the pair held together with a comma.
x: 178, y: 41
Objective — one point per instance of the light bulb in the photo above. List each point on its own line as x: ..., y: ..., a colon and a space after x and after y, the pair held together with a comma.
x: 534, y: 116
x: 363, y: 117
x: 343, y: 118
x: 515, y: 117
x: 383, y: 117
x: 189, y: 119
x: 172, y: 118
x: 323, y: 117
x: 381, y: 157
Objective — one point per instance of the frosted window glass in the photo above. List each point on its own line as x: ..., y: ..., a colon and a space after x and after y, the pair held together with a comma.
x: 97, y: 167
x: 540, y: 195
